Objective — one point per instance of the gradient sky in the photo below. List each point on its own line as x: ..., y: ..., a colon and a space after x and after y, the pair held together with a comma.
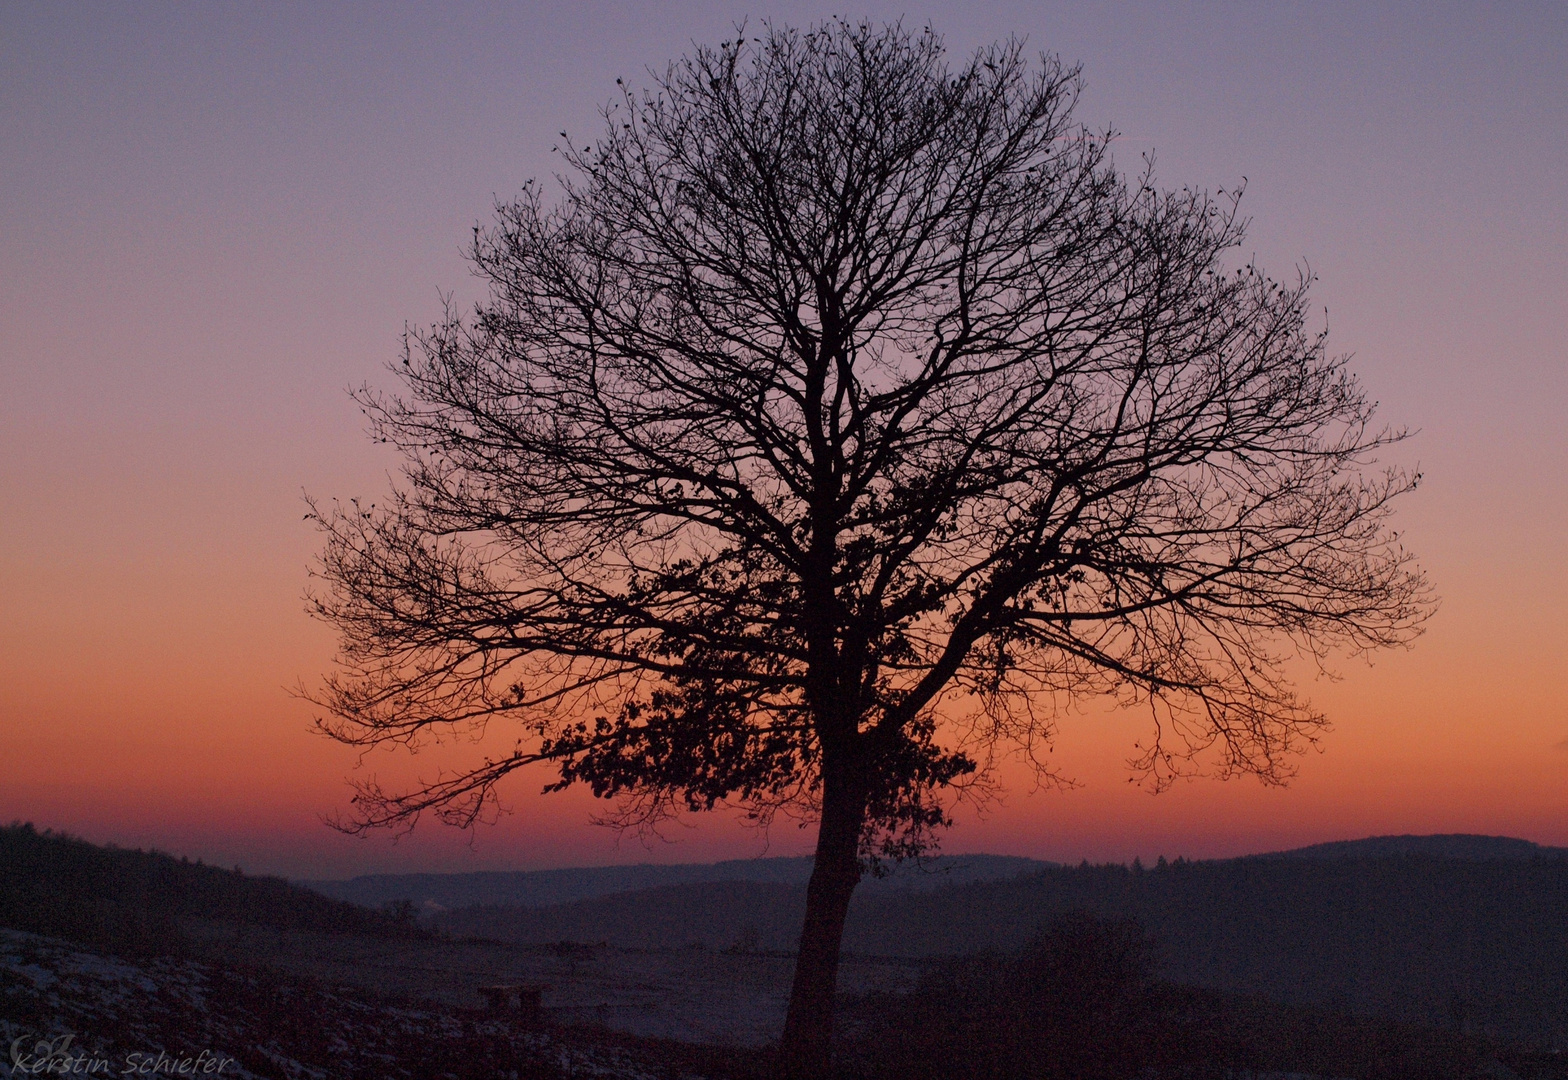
x: 215, y: 218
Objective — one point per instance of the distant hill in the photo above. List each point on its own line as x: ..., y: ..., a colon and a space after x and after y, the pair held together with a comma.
x: 1444, y: 845
x: 1412, y: 937
x: 135, y: 902
x: 708, y: 915
x: 542, y: 888
x: 545, y: 888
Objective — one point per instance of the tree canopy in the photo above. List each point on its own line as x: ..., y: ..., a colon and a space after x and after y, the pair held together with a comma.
x: 844, y: 415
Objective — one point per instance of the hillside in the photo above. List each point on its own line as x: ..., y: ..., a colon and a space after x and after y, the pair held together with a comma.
x: 137, y: 902
x: 1442, y: 845
x: 707, y: 915
x: 1431, y: 940
x: 64, y: 1010
x: 540, y: 888
x: 1274, y: 952
x: 544, y: 888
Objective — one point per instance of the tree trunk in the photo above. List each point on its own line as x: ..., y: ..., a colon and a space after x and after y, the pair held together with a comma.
x: 807, y: 1047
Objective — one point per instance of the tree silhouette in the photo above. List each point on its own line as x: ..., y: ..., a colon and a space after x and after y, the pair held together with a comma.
x: 845, y: 415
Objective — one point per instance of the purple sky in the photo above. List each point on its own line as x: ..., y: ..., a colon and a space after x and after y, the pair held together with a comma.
x: 214, y: 218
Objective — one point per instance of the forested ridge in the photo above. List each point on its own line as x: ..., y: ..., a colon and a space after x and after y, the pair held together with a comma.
x: 136, y: 902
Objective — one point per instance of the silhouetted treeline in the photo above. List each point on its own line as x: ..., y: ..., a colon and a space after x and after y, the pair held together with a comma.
x: 134, y: 902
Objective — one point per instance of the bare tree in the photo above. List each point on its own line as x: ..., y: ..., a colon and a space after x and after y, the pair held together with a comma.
x: 846, y: 415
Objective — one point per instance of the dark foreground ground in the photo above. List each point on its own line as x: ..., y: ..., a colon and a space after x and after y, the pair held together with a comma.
x: 64, y: 1011
x: 413, y: 1012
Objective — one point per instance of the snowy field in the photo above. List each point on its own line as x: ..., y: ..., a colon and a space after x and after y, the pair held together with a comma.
x: 691, y: 995
x: 65, y: 1011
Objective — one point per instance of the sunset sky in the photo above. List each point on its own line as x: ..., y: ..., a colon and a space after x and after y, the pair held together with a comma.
x: 214, y: 219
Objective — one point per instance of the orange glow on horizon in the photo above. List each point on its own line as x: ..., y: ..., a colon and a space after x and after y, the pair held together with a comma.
x: 216, y: 221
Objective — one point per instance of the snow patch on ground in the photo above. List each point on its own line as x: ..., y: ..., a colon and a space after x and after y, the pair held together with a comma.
x: 66, y: 1010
